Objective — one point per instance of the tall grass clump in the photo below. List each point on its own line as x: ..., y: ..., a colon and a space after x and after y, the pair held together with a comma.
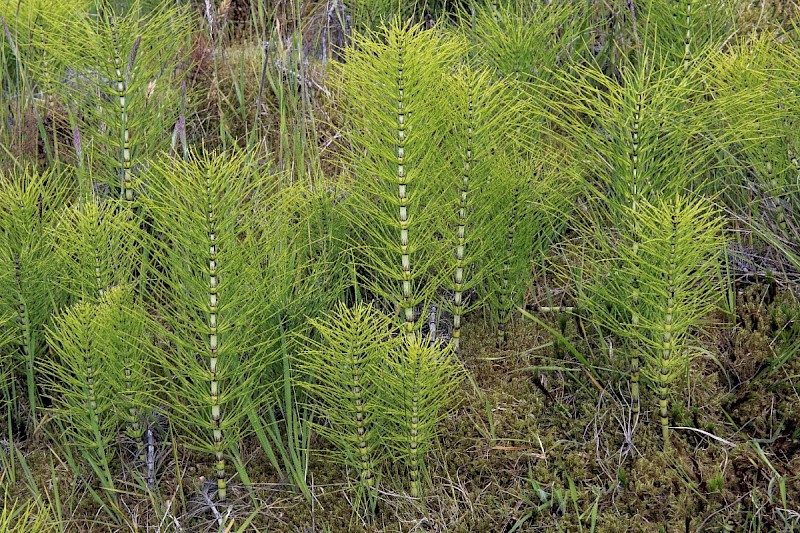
x: 208, y: 238
x: 303, y: 277
x: 30, y: 208
x: 397, y: 117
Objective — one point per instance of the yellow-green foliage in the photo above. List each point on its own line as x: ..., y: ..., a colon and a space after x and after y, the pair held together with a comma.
x: 219, y: 302
x: 80, y: 385
x: 30, y: 207
x: 382, y: 393
x: 419, y: 381
x: 394, y: 82
x: 343, y: 371
x: 118, y: 71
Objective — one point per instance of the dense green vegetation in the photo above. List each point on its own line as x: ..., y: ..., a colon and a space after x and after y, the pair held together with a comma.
x: 383, y: 266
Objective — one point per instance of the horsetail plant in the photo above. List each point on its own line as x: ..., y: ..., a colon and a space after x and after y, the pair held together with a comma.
x: 124, y: 338
x: 212, y: 306
x: 343, y: 372
x: 484, y: 125
x: 121, y: 67
x: 637, y: 147
x: 530, y: 197
x: 677, y: 265
x: 30, y: 206
x: 525, y: 41
x: 82, y: 393
x: 679, y: 31
x: 418, y: 386
x: 94, y: 245
x: 398, y: 115
x: 6, y: 370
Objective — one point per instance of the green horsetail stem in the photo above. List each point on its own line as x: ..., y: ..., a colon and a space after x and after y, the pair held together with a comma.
x: 121, y: 93
x: 80, y: 384
x: 123, y: 319
x: 635, y: 319
x: 91, y: 404
x: 668, y: 341
x: 367, y: 474
x: 504, y: 302
x: 415, y: 480
x: 458, y: 277
x: 213, y: 346
x: 402, y: 193
x: 133, y: 426
x: 419, y: 383
x: 347, y: 369
x: 94, y: 239
x: 687, y: 38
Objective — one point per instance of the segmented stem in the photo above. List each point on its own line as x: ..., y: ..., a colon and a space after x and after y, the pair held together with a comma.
x: 90, y: 394
x: 367, y: 473
x: 687, y: 38
x: 134, y: 428
x: 213, y: 346
x: 504, y: 303
x: 415, y: 480
x: 402, y: 193
x: 121, y: 91
x: 458, y: 278
x: 668, y: 345
x: 635, y: 319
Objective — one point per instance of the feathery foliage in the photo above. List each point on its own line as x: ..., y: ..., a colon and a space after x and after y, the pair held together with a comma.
x: 212, y: 304
x: 397, y: 117
x: 30, y: 207
x: 121, y: 68
x: 532, y: 198
x: 639, y: 147
x: 677, y: 31
x: 483, y: 127
x: 94, y: 246
x: 418, y: 383
x: 343, y: 374
x: 124, y: 330
x: 677, y: 265
x: 81, y: 389
x: 525, y: 41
